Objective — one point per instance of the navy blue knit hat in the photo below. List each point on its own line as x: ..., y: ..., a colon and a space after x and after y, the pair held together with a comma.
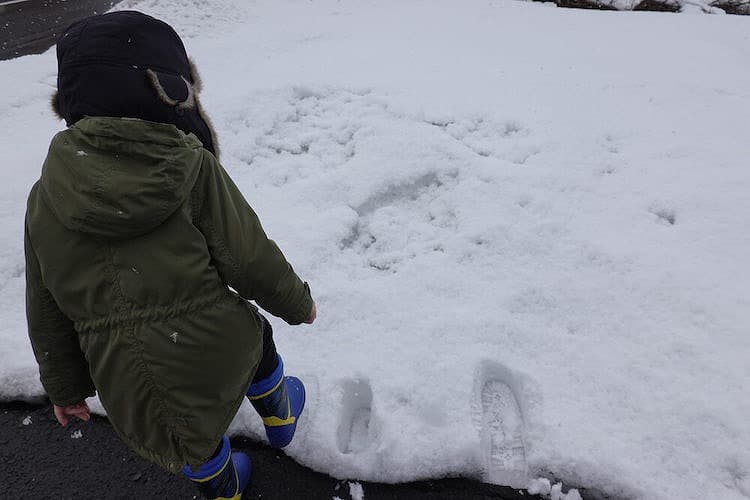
x: 128, y: 64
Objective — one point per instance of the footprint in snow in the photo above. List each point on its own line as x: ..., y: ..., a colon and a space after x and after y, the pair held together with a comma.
x: 502, y: 428
x: 354, y: 431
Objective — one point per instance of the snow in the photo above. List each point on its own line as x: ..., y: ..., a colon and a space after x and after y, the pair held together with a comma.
x: 542, y: 486
x: 526, y: 229
x: 356, y: 491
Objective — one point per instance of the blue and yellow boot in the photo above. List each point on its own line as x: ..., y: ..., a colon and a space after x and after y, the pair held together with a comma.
x: 279, y: 400
x: 223, y: 477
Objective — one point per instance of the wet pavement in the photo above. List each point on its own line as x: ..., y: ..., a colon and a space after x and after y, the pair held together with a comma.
x: 32, y: 26
x: 86, y: 460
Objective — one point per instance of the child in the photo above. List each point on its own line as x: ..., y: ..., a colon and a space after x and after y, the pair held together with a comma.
x: 142, y: 255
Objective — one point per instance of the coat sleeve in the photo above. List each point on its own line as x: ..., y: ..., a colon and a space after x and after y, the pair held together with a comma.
x: 63, y: 369
x: 247, y: 260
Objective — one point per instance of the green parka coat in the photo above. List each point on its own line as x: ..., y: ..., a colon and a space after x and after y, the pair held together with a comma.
x: 134, y: 234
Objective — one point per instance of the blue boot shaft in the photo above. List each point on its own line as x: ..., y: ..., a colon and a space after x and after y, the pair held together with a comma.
x: 225, y: 476
x: 279, y: 400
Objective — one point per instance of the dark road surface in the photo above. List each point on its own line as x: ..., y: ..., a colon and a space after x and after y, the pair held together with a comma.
x: 86, y: 460
x: 32, y: 26
x: 39, y: 459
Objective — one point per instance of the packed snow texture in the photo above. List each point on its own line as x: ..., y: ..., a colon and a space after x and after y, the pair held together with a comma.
x: 356, y: 491
x: 526, y: 229
x: 543, y: 487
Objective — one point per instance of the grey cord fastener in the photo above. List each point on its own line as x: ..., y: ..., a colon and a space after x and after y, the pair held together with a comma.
x: 188, y: 103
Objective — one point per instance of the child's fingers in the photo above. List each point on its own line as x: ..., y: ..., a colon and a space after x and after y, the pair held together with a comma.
x: 60, y: 416
x: 78, y: 411
x: 313, y: 314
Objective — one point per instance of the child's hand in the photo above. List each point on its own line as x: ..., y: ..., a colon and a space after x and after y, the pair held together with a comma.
x: 80, y: 410
x: 313, y: 315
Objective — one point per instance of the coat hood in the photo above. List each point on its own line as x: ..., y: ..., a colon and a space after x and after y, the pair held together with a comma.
x: 119, y: 177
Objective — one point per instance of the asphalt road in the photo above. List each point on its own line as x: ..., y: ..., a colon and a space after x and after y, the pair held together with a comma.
x: 32, y: 26
x: 86, y: 460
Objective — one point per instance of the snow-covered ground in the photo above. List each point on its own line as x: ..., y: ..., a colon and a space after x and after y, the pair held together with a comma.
x: 526, y: 228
